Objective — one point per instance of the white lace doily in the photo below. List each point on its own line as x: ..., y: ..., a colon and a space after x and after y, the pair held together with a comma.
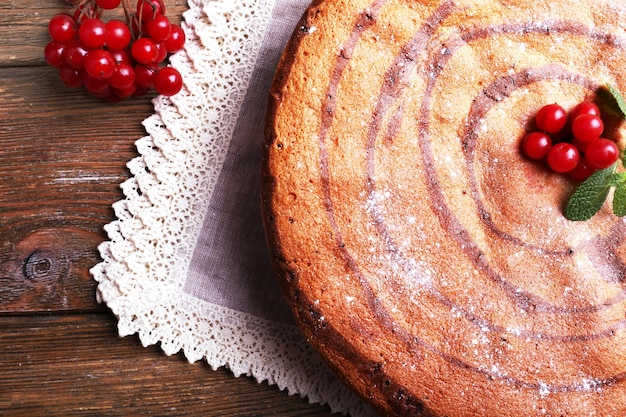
x: 185, y: 265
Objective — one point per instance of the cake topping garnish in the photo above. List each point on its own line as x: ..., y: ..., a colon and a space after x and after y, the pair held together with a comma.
x: 617, y: 98
x: 579, y: 150
x: 593, y: 192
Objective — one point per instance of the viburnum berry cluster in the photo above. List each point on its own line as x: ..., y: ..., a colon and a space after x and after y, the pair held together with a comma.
x: 116, y: 59
x: 571, y: 143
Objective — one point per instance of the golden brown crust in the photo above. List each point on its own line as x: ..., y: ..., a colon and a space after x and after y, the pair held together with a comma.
x: 426, y: 260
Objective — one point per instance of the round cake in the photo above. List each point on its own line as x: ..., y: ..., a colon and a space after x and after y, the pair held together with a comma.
x: 424, y: 256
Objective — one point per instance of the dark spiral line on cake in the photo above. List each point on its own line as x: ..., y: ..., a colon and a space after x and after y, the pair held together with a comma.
x: 430, y: 26
x: 496, y: 92
x: 399, y: 72
x: 397, y: 76
x: 500, y: 89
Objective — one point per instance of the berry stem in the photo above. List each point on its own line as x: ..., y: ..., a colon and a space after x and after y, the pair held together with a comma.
x: 129, y: 16
x: 85, y: 7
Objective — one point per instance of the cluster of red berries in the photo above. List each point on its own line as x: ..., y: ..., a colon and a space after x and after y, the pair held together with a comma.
x: 115, y: 60
x: 583, y: 151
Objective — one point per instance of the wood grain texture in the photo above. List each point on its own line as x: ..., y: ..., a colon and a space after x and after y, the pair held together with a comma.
x: 63, y: 156
x: 76, y: 366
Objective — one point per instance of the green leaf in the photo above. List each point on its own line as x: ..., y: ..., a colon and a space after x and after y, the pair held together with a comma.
x: 619, y: 100
x: 617, y: 179
x: 619, y: 201
x: 590, y: 195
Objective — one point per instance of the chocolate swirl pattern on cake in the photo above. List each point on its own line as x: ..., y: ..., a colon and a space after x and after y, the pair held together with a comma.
x: 412, y: 239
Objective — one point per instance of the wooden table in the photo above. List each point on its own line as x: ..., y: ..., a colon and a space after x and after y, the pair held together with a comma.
x: 62, y: 158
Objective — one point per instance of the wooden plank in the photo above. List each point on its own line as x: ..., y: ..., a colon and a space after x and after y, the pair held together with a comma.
x: 56, y: 188
x: 76, y: 366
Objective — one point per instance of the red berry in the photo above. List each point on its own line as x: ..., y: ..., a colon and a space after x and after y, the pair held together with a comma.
x: 71, y: 77
x: 162, y: 52
x: 580, y: 145
x: 108, y: 4
x: 75, y: 54
x: 586, y: 107
x: 176, y: 41
x: 551, y: 118
x: 601, y: 153
x: 587, y: 127
x: 62, y: 28
x: 125, y: 92
x: 53, y: 53
x: 123, y: 76
x: 99, y: 64
x: 149, y: 9
x: 121, y: 56
x: 96, y: 86
x: 113, y: 59
x: 144, y: 51
x: 535, y: 145
x: 92, y: 33
x: 159, y: 28
x: 563, y: 157
x: 168, y: 81
x: 144, y: 75
x: 117, y: 35
x: 581, y: 172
